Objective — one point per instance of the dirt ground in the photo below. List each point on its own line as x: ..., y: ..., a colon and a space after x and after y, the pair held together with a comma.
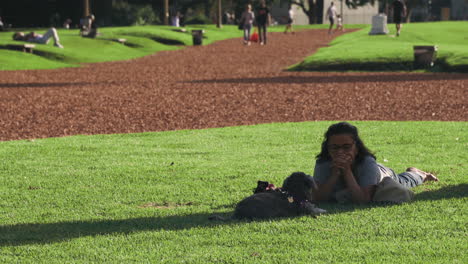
x: 223, y: 84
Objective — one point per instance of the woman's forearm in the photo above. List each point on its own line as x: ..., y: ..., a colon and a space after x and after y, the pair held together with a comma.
x: 324, y: 190
x: 358, y: 194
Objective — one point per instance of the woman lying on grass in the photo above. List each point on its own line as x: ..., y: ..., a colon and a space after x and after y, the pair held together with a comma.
x: 345, y: 163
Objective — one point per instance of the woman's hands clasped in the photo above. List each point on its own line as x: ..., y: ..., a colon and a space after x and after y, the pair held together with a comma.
x: 342, y: 163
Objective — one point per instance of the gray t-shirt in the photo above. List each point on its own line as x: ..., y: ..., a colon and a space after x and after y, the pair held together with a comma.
x: 367, y: 173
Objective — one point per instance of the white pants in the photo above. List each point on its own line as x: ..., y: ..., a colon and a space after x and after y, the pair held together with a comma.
x: 44, y: 39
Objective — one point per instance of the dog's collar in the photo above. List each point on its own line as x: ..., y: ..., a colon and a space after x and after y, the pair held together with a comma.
x: 300, y: 203
x: 264, y: 186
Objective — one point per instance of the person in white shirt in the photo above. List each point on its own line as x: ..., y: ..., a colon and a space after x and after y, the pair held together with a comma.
x: 176, y: 20
x: 290, y: 21
x: 339, y: 23
x: 331, y: 14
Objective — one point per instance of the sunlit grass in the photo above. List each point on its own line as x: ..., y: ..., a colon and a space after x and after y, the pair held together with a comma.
x: 361, y: 51
x: 145, y: 198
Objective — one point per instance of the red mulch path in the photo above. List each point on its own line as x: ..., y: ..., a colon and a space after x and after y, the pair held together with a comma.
x: 223, y: 84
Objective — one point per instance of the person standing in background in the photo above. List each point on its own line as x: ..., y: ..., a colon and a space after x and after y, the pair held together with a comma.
x: 399, y: 12
x: 290, y: 21
x: 331, y: 14
x: 175, y: 20
x: 263, y: 20
x: 247, y: 19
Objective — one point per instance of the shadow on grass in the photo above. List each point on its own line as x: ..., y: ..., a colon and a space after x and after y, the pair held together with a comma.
x: 166, y: 41
x: 340, y: 78
x: 42, y: 53
x: 440, y: 65
x: 23, y: 234
x: 448, y: 192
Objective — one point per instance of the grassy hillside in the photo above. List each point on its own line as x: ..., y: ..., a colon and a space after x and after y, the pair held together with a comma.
x: 141, y: 41
x: 356, y: 51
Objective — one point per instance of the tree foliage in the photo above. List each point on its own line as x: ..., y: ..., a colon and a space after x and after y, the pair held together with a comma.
x: 312, y: 10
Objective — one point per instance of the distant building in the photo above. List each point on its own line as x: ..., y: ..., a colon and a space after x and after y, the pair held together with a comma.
x: 360, y: 15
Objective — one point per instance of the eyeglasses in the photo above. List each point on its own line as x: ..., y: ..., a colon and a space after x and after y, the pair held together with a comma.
x: 344, y: 147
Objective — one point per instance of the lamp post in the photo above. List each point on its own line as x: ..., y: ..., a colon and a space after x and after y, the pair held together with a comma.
x: 220, y: 15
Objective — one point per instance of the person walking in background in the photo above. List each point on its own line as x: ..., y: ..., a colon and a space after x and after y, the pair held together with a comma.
x: 331, y: 14
x: 263, y: 20
x: 399, y: 11
x: 290, y: 21
x: 38, y: 38
x: 247, y: 19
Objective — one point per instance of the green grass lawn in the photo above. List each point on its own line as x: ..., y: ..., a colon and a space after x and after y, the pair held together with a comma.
x: 141, y: 41
x: 360, y: 51
x: 145, y: 198
x: 355, y: 51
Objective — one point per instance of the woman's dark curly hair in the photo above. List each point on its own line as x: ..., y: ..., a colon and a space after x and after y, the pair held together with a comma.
x: 339, y: 129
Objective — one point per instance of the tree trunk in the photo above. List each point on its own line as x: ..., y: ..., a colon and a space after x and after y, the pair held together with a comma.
x: 85, y: 8
x: 312, y: 14
x: 309, y: 10
x: 219, y: 15
x: 166, y: 12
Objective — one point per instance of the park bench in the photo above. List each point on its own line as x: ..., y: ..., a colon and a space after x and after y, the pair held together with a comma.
x: 120, y: 40
x: 24, y: 47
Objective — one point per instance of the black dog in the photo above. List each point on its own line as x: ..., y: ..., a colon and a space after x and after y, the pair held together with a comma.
x: 293, y: 199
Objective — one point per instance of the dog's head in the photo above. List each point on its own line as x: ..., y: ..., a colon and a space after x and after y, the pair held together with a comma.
x: 301, y: 186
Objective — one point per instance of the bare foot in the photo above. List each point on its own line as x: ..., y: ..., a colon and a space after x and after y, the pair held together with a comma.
x: 425, y: 175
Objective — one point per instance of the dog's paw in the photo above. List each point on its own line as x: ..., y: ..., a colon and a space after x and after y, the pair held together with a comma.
x: 310, y: 208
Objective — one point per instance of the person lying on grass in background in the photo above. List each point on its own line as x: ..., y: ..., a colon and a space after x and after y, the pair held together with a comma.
x: 345, y: 164
x: 38, y: 38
